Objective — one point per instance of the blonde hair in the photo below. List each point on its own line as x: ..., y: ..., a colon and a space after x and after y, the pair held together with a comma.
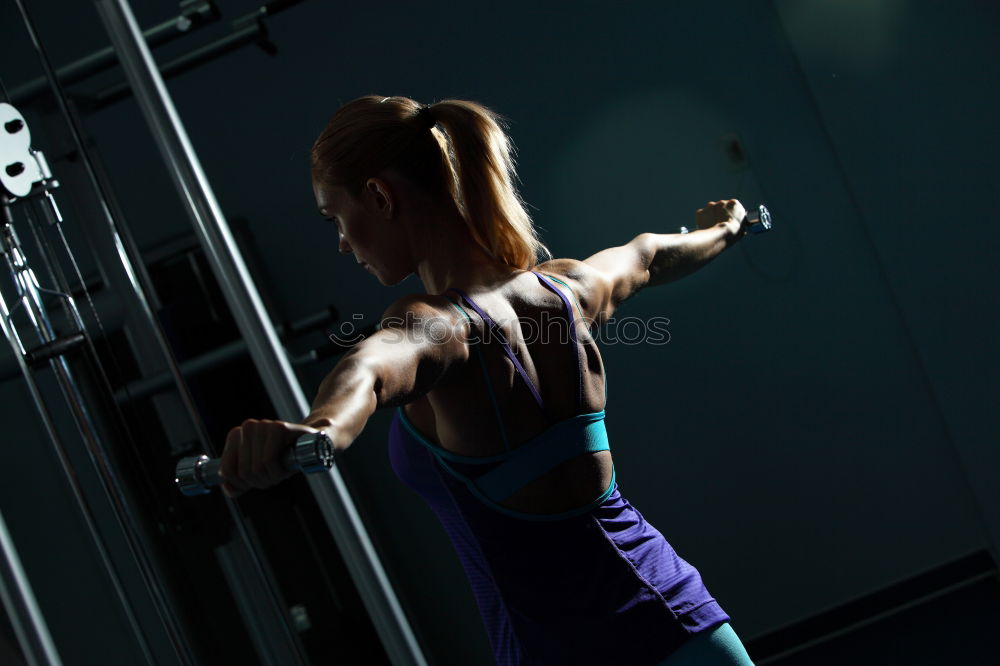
x: 466, y: 156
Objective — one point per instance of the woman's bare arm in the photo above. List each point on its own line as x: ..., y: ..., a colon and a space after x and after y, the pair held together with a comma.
x: 612, y: 276
x: 422, y: 340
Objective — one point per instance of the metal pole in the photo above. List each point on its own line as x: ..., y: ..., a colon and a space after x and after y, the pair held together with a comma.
x: 191, y: 17
x: 265, y: 348
x: 281, y: 643
x: 29, y: 296
x: 18, y: 599
x: 117, y: 247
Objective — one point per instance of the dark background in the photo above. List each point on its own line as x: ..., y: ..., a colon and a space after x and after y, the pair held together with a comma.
x: 820, y: 424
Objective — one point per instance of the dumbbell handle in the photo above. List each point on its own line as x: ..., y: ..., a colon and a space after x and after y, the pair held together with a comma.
x: 312, y: 452
x: 756, y: 221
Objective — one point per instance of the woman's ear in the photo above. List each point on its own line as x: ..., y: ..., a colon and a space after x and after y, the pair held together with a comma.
x: 379, y: 197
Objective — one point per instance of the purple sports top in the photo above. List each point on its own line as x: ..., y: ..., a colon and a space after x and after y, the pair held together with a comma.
x: 598, y: 585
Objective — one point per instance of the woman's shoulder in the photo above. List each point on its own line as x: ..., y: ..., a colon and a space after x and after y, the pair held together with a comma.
x: 585, y: 281
x: 424, y: 311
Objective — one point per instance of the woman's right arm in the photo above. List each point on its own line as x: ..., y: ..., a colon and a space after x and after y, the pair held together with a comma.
x: 421, y: 343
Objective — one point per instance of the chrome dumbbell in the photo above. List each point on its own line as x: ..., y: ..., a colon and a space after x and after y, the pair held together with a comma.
x: 756, y: 221
x: 312, y: 452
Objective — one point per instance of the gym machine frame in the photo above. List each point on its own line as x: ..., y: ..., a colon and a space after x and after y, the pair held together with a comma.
x: 275, y: 639
x: 265, y: 348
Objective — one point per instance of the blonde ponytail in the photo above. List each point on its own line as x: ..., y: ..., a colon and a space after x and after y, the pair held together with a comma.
x: 486, y: 191
x: 471, y: 161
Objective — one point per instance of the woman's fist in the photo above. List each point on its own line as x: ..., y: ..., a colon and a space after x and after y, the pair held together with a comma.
x: 729, y: 211
x: 254, y: 456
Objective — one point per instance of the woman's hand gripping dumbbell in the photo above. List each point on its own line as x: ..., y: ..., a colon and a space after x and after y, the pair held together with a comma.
x: 756, y: 220
x: 259, y: 453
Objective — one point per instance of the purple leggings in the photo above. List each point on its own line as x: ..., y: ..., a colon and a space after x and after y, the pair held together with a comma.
x: 719, y: 646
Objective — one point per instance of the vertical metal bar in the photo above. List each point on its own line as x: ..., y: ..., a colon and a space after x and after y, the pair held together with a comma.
x: 254, y: 324
x: 113, y: 245
x: 17, y: 597
x: 233, y: 563
x: 10, y: 333
x: 30, y: 298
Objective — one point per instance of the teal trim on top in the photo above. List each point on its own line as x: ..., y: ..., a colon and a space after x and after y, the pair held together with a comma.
x: 558, y: 444
x: 438, y: 449
x: 499, y: 508
x: 597, y: 442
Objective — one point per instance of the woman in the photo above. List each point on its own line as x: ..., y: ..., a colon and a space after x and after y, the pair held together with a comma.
x: 501, y: 432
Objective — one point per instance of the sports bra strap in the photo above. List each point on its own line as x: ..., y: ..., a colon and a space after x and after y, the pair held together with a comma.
x: 580, y: 306
x: 489, y: 384
x: 545, y: 280
x: 506, y: 347
x: 572, y: 335
x: 569, y: 288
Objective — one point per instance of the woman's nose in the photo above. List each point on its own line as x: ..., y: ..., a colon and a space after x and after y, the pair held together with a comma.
x: 345, y: 247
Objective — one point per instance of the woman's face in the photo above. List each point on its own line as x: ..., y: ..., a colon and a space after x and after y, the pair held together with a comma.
x: 363, y: 226
x: 350, y: 218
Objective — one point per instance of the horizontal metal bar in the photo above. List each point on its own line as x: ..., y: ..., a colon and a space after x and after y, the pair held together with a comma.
x: 193, y: 17
x: 203, y: 362
x: 241, y: 37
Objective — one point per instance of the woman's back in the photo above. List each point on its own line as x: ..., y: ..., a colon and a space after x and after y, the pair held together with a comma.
x: 570, y: 572
x: 566, y: 371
